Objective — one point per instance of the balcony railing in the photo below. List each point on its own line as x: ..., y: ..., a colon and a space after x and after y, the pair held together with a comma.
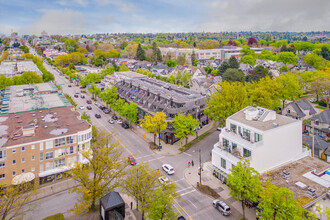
x: 234, y: 155
x: 240, y: 139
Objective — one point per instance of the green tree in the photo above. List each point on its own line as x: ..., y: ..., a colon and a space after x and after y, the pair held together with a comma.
x: 94, y: 90
x: 279, y: 203
x: 171, y: 63
x: 140, y: 53
x: 227, y: 100
x: 154, y: 124
x: 266, y: 55
x: 325, y: 53
x: 159, y: 55
x: 30, y: 77
x: 233, y: 63
x: 123, y: 68
x: 86, y: 117
x: 4, y: 82
x: 244, y: 183
x: 248, y: 59
x: 223, y: 67
x: 109, y: 95
x: 104, y: 173
x: 287, y: 57
x: 161, y: 207
x: 289, y: 87
x: 118, y: 106
x: 130, y: 111
x: 258, y: 73
x: 284, y: 69
x: 184, y: 126
x: 193, y: 57
x: 315, y: 61
x: 232, y: 75
x: 90, y: 78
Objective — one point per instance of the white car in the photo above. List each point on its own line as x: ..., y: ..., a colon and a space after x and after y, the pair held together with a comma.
x: 164, y: 180
x: 168, y: 169
x: 81, y: 107
x: 119, y: 121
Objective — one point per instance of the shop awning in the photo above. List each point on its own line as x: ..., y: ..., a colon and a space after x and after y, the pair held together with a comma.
x: 23, y: 178
x: 54, y: 171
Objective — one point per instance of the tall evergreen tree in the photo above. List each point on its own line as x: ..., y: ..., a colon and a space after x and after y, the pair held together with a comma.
x: 154, y: 52
x: 159, y: 55
x: 233, y: 63
x: 193, y: 57
x: 223, y: 67
x: 140, y: 53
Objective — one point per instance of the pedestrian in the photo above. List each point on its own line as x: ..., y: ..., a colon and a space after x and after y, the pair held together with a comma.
x: 131, y: 205
x: 189, y: 164
x: 192, y: 163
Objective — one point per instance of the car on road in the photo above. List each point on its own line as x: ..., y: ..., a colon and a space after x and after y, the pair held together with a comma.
x: 219, y: 128
x: 89, y: 101
x: 119, y: 121
x: 125, y: 125
x: 97, y: 116
x: 222, y: 207
x: 131, y: 160
x: 82, y: 96
x: 76, y: 95
x: 168, y: 169
x: 111, y: 121
x: 89, y: 107
x: 81, y: 107
x: 102, y: 107
x: 69, y: 85
x: 114, y: 117
x: 106, y: 111
x: 164, y: 180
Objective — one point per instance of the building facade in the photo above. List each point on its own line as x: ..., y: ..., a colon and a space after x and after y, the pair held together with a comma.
x: 260, y: 135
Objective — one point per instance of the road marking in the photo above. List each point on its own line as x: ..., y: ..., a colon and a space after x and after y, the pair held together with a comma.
x: 178, y: 180
x: 184, y: 189
x: 182, y: 209
x: 187, y: 154
x: 188, y: 192
x: 177, y: 208
x: 144, y: 156
x: 192, y: 203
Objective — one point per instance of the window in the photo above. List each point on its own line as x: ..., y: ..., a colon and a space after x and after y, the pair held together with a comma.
x: 233, y: 128
x: 234, y: 146
x: 246, y: 134
x: 49, y: 145
x: 41, y: 146
x: 223, y: 163
x: 14, y: 173
x: 59, y: 163
x: 71, y: 150
x: 239, y: 130
x: 60, y: 152
x: 3, y: 154
x: 32, y: 157
x: 2, y: 176
x: 33, y: 169
x: 225, y: 142
x: 41, y: 156
x: 246, y: 153
x: 23, y: 170
x: 288, y: 111
x: 2, y: 164
x: 32, y: 147
x: 257, y: 137
x: 23, y: 160
x: 41, y: 168
x: 49, y: 155
x: 14, y: 151
x: 23, y: 148
x: 59, y: 142
x: 14, y: 162
x: 71, y: 140
x: 49, y: 165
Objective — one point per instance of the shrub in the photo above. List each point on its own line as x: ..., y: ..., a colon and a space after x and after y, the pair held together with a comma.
x: 58, y: 216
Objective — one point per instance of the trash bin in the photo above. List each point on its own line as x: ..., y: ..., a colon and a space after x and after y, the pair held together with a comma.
x: 197, y: 184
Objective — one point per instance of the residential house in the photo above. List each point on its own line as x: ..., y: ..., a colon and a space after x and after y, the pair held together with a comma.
x: 161, y: 70
x: 321, y: 124
x: 204, y: 84
x: 246, y: 68
x: 301, y: 109
x: 320, y: 146
x: 267, y: 139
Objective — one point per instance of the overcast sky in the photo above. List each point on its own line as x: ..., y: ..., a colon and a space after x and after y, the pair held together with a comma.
x: 113, y: 16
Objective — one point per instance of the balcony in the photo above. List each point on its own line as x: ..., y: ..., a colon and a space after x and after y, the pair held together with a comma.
x: 240, y: 140
x: 233, y: 157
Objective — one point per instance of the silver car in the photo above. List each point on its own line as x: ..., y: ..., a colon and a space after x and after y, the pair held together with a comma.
x: 222, y: 207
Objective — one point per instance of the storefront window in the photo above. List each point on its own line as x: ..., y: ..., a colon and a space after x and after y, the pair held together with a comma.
x: 47, y: 179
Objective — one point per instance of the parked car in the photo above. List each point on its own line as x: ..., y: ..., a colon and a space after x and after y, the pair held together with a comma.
x: 69, y: 85
x: 97, y: 116
x: 101, y: 107
x: 168, y: 169
x: 114, y: 117
x: 164, y: 180
x: 219, y: 128
x: 76, y: 95
x: 89, y: 107
x: 119, y: 121
x: 81, y: 107
x: 111, y: 121
x: 131, y: 160
x: 313, y: 100
x: 222, y: 207
x: 106, y: 111
x: 89, y: 101
x: 82, y: 96
x: 181, y: 218
x: 125, y: 125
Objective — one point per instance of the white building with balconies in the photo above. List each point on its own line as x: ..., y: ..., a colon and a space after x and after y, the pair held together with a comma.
x: 267, y: 139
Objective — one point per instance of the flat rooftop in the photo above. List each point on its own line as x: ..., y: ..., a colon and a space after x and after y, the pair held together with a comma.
x: 30, y: 97
x: 11, y: 68
x: 47, y: 124
x: 279, y: 120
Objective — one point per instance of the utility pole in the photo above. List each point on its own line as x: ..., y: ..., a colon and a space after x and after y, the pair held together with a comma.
x: 200, y: 168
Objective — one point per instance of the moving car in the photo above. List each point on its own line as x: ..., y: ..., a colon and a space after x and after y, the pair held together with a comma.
x: 222, y: 207
x: 111, y: 121
x: 168, y: 169
x: 81, y: 107
x: 76, y: 95
x: 97, y: 116
x: 82, y: 96
x: 69, y: 85
x: 131, y: 160
x: 89, y: 101
x: 164, y: 180
x: 89, y: 107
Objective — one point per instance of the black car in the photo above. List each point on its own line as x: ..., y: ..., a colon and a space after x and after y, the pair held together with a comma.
x: 102, y: 107
x: 114, y: 117
x: 69, y: 85
x: 106, y: 111
x: 125, y: 125
x: 76, y: 96
x: 97, y: 116
x: 89, y: 107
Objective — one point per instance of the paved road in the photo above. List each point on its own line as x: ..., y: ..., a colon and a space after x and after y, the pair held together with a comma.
x: 192, y: 203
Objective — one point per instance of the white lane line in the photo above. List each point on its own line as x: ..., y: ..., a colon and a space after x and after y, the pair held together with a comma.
x: 188, y: 192
x: 151, y: 160
x: 192, y: 203
x: 184, y: 189
x: 187, y: 154
x: 178, y: 180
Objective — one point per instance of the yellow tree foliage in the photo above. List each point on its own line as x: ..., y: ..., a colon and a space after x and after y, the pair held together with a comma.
x: 154, y: 124
x: 106, y: 47
x: 208, y: 44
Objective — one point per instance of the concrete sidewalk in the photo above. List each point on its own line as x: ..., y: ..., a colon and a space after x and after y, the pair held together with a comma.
x: 168, y: 149
x: 192, y: 177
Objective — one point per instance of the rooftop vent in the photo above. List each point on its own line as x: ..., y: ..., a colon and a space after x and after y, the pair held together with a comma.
x: 28, y: 130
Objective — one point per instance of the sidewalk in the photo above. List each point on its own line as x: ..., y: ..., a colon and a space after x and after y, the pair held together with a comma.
x: 64, y: 185
x: 192, y: 177
x: 168, y: 149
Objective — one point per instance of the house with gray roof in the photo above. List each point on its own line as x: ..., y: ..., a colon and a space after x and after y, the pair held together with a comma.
x: 301, y: 109
x: 321, y: 124
x: 320, y: 146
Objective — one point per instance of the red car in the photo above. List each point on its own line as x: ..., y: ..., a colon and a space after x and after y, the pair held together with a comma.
x: 131, y: 160
x: 89, y: 101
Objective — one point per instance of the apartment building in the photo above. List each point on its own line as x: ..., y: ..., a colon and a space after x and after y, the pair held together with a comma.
x: 41, y: 136
x: 260, y: 135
